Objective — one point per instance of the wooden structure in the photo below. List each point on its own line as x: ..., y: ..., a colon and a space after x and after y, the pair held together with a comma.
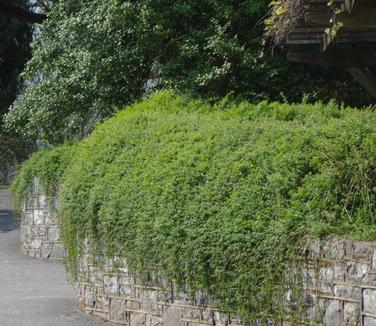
x: 357, y: 25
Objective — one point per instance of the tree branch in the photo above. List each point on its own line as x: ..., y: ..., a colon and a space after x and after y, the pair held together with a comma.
x: 21, y: 14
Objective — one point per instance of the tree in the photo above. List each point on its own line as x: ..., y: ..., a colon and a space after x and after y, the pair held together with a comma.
x: 21, y: 12
x: 93, y: 57
x: 15, y: 38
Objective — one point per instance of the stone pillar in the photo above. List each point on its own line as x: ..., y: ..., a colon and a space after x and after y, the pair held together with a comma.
x: 40, y: 233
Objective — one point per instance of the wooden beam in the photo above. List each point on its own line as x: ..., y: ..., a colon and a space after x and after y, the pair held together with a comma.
x: 362, y: 16
x: 334, y: 58
x: 312, y: 37
x: 365, y: 77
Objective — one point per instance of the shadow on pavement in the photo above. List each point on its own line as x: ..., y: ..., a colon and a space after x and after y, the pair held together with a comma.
x: 6, y: 221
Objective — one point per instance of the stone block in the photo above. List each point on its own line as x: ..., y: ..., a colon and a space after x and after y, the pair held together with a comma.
x: 221, y: 318
x: 126, y: 285
x: 137, y: 319
x: 369, y: 321
x: 374, y: 260
x: 36, y: 244
x: 53, y: 234
x: 133, y: 305
x: 333, y: 249
x: 348, y: 248
x: 309, y: 277
x: 202, y: 299
x: 356, y: 272
x: 94, y: 275
x: 351, y: 314
x: 314, y: 251
x: 126, y: 290
x: 99, y: 291
x: 172, y: 316
x: 333, y: 314
x: 348, y: 292
x: 42, y: 201
x: 27, y: 231
x: 363, y: 250
x: 38, y: 231
x: 322, y: 304
x: 149, y: 300
x: 207, y: 315
x: 38, y: 218
x: 154, y: 321
x: 80, y: 289
x: 27, y: 218
x: 23, y: 234
x: 118, y: 311
x: 309, y: 299
x: 31, y: 203
x: 165, y: 296
x: 49, y: 220
x: 58, y: 251
x: 26, y: 244
x: 369, y: 301
x: 101, y: 303
x: 35, y: 254
x: 111, y: 285
x: 325, y: 281
x: 89, y: 297
x: 339, y: 272
x: 46, y: 250
x: 181, y: 297
x: 192, y: 313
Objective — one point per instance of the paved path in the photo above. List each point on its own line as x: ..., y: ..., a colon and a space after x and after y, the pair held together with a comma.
x: 33, y: 292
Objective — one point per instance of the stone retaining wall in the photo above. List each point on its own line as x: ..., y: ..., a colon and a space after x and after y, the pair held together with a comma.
x: 115, y: 294
x: 339, y: 279
x: 40, y: 235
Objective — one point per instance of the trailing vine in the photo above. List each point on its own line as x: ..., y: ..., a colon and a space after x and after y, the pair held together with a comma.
x: 284, y: 15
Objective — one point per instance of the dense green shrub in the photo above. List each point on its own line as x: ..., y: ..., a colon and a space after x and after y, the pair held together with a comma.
x: 48, y: 165
x: 220, y: 198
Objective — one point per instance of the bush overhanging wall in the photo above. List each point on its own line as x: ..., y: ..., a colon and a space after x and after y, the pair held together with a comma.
x: 217, y: 199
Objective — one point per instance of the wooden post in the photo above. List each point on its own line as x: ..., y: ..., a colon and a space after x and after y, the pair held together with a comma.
x: 365, y: 77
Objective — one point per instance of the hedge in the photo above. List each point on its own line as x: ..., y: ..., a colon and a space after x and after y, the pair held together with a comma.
x: 48, y: 165
x: 217, y: 198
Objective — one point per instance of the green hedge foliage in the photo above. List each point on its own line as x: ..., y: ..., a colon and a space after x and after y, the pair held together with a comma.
x: 217, y: 198
x: 49, y: 166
